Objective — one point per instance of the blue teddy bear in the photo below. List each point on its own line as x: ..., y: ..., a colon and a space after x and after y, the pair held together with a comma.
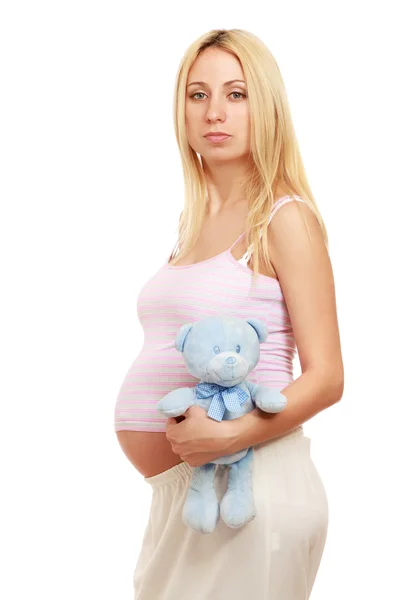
x: 221, y: 351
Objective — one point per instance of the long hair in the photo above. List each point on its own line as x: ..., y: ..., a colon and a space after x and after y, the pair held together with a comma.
x: 274, y: 151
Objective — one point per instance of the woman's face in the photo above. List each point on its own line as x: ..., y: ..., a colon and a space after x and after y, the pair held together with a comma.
x: 216, y: 105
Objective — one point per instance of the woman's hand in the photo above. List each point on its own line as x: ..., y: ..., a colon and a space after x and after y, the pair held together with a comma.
x: 198, y: 439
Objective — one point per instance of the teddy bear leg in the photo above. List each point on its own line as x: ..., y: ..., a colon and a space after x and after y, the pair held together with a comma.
x: 237, y: 505
x: 201, y: 508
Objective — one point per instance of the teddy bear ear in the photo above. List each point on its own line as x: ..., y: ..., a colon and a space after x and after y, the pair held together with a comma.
x: 182, y: 335
x: 260, y: 327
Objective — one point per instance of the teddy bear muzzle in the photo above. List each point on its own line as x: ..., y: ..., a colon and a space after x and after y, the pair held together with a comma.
x: 226, y: 368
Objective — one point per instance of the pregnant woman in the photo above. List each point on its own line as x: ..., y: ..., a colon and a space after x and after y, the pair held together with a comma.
x: 251, y: 243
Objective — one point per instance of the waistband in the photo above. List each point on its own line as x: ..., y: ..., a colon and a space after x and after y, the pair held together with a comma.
x: 183, y: 471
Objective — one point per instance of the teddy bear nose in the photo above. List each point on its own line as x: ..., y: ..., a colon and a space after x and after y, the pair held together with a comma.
x: 231, y: 360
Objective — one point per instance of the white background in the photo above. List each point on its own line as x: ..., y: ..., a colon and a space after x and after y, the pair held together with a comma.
x: 91, y: 190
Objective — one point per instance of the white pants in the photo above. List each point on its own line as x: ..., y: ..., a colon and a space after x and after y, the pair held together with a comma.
x: 275, y: 556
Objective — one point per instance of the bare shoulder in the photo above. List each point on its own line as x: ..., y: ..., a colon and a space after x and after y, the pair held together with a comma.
x: 303, y: 266
x: 295, y: 219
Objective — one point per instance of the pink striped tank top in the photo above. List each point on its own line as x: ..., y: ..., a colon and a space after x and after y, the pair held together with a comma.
x: 181, y: 294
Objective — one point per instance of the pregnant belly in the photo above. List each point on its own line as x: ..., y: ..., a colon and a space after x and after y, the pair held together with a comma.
x: 149, y: 452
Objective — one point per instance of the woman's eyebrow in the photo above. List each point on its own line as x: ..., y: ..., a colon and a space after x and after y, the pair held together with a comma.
x: 225, y: 84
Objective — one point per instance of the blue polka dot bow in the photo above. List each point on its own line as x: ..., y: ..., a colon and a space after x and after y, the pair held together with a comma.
x: 224, y: 398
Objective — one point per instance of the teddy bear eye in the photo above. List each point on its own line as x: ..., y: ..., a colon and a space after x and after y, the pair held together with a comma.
x: 238, y: 348
x: 216, y: 349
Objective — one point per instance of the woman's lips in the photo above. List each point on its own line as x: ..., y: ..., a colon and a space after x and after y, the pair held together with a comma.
x: 217, y: 138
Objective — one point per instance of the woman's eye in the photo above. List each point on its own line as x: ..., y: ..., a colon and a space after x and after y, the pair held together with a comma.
x: 216, y: 349
x: 238, y: 348
x: 240, y: 94
x: 197, y: 93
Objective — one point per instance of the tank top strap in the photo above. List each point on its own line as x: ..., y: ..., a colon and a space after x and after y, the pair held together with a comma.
x: 236, y: 241
x: 280, y: 202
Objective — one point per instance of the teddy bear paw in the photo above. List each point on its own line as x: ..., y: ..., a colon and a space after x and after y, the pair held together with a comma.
x: 176, y: 403
x: 271, y: 401
x: 201, y: 511
x: 169, y: 408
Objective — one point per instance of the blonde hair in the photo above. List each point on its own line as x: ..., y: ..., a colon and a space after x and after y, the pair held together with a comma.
x: 274, y: 151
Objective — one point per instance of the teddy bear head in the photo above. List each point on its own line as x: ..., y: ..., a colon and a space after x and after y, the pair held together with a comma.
x: 221, y: 349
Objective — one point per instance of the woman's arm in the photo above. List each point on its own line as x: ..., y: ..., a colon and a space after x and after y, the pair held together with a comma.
x: 305, y: 274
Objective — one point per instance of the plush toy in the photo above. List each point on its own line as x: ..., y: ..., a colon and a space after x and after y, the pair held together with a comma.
x: 221, y: 351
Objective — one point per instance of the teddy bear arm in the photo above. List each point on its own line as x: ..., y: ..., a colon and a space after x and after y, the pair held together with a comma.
x: 175, y: 403
x: 252, y: 387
